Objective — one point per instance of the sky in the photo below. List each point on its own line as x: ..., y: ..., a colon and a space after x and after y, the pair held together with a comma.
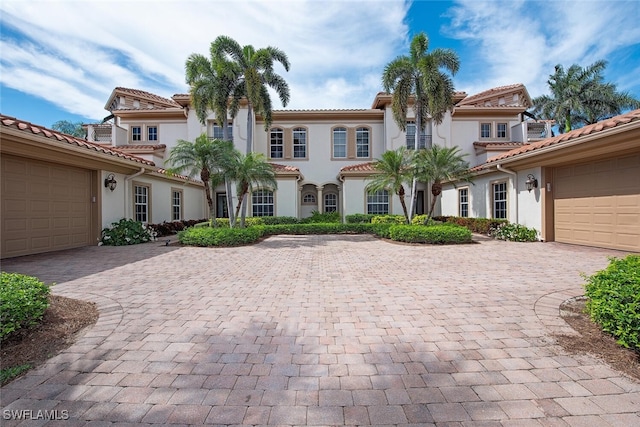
x: 61, y: 59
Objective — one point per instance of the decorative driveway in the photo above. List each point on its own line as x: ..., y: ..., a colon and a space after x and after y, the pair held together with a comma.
x: 323, y: 330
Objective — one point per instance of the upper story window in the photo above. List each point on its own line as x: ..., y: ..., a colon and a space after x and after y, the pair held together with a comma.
x: 340, y: 142
x: 362, y: 142
x: 217, y: 132
x: 463, y: 202
x: 411, y: 137
x: 501, y: 130
x: 276, y: 143
x: 499, y: 200
x: 136, y: 133
x: 378, y: 202
x: 152, y: 133
x: 485, y: 130
x: 299, y: 143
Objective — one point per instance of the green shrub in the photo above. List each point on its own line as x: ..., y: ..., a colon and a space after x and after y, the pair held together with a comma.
x: 273, y: 220
x: 211, y: 236
x: 419, y: 220
x: 358, y: 218
x: 324, y: 218
x: 388, y: 219
x: 23, y: 300
x: 514, y: 233
x: 436, y: 234
x: 614, y: 300
x: 126, y: 232
x: 476, y: 225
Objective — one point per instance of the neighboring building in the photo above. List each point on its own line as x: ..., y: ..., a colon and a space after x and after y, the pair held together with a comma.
x: 323, y: 158
x: 55, y: 190
x: 588, y: 186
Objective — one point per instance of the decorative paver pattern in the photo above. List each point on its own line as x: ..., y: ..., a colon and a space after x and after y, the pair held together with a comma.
x: 323, y: 330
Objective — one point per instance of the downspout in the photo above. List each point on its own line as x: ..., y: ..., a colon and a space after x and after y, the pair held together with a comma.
x: 341, y: 205
x: 515, y: 184
x: 298, y: 193
x: 127, y: 206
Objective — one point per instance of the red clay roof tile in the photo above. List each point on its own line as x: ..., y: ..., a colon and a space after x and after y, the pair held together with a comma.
x: 360, y: 167
x: 148, y: 95
x: 284, y: 168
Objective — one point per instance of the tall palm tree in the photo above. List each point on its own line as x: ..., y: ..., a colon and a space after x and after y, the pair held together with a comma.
x: 580, y: 96
x: 211, y: 82
x: 438, y: 164
x: 250, y: 171
x: 255, y: 75
x: 204, y: 157
x: 425, y: 77
x: 393, y: 170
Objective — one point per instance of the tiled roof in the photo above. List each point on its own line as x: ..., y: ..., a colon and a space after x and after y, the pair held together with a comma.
x: 284, y: 168
x: 360, y: 167
x: 11, y: 122
x: 604, y: 125
x: 489, y: 93
x: 169, y: 173
x: 498, y: 144
x: 148, y: 95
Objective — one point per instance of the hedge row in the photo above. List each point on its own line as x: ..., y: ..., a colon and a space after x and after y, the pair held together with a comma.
x: 476, y: 225
x: 439, y: 234
x: 614, y: 300
x: 23, y: 300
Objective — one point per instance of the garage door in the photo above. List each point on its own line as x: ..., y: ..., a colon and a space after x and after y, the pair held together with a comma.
x: 598, y: 203
x: 45, y: 206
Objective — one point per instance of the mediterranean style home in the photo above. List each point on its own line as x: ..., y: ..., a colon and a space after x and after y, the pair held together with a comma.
x: 582, y: 187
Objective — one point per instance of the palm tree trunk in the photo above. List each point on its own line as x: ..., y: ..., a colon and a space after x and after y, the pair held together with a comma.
x: 436, y: 189
x: 229, y: 201
x: 240, y: 201
x: 401, y: 194
x: 205, y: 176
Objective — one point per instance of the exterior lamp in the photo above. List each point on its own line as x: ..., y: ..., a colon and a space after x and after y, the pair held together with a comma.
x: 531, y: 182
x: 110, y: 182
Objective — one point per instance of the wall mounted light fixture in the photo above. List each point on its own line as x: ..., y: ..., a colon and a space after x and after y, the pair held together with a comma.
x: 110, y: 182
x: 531, y: 182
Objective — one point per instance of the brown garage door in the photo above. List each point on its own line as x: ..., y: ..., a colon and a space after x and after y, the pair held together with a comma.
x: 45, y: 206
x: 598, y: 203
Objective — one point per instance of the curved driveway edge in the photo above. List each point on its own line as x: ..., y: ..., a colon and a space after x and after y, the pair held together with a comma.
x: 322, y: 330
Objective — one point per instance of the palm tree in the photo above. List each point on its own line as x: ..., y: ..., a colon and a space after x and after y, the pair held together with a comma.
x: 438, y: 164
x: 425, y: 78
x: 580, y: 96
x: 255, y: 76
x: 204, y: 157
x: 211, y: 82
x: 392, y: 171
x: 250, y: 171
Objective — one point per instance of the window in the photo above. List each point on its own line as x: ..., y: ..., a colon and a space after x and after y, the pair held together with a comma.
x: 340, y: 142
x: 276, y: 139
x: 485, y: 130
x: 299, y: 143
x: 331, y: 202
x: 501, y: 131
x: 463, y: 202
x: 309, y: 199
x: 141, y: 203
x: 411, y: 135
x: 152, y: 133
x: 176, y: 205
x: 216, y: 132
x: 378, y: 202
x: 262, y: 203
x: 500, y: 200
x: 362, y: 142
x: 136, y: 133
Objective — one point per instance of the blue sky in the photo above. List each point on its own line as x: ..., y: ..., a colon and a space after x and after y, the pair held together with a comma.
x: 60, y: 60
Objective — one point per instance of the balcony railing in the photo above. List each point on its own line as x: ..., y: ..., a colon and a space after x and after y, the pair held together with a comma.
x: 424, y: 140
x: 536, y: 131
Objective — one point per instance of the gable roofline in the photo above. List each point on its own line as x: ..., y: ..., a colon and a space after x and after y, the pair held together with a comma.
x: 488, y: 94
x: 142, y: 95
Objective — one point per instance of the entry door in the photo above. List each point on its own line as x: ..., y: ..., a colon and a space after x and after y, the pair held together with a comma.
x: 222, y: 210
x: 420, y: 202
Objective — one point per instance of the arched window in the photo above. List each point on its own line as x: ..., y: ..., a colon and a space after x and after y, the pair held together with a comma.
x: 339, y: 142
x: 276, y: 142
x: 262, y: 203
x: 331, y: 202
x: 309, y: 199
x: 299, y: 143
x: 378, y: 202
x: 362, y: 142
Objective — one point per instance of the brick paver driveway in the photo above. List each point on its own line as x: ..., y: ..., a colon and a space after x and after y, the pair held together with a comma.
x: 324, y: 330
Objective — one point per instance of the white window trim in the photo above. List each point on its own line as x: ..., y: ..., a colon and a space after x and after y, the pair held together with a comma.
x: 494, y: 200
x: 370, y: 193
x: 294, y: 145
x: 333, y: 142
x: 460, y: 203
x: 180, y: 206
x: 368, y: 133
x: 281, y: 144
x: 148, y: 205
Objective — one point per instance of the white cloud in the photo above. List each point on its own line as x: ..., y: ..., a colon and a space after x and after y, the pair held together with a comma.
x: 90, y: 47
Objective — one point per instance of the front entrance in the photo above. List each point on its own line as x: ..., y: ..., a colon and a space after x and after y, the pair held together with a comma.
x: 222, y: 210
